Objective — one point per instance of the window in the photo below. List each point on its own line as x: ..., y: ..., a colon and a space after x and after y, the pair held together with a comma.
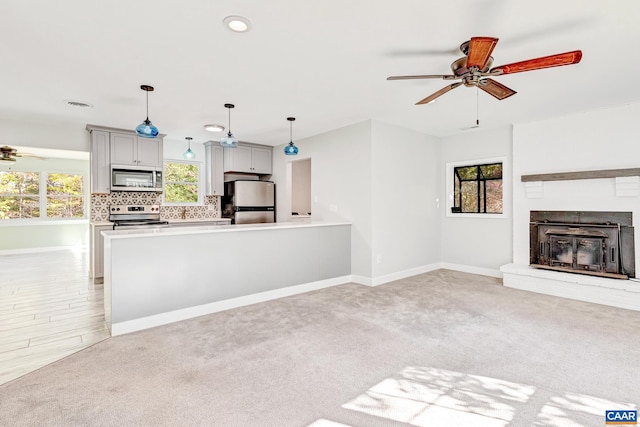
x: 181, y: 181
x: 65, y: 195
x: 19, y: 195
x: 477, y: 188
x: 24, y: 196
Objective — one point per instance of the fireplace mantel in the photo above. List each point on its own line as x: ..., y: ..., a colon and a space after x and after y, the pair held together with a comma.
x: 592, y: 174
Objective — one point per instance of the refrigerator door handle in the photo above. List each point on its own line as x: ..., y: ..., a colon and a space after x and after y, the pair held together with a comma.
x: 253, y: 208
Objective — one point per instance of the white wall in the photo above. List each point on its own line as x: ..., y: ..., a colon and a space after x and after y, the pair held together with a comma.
x: 405, y: 176
x: 60, y: 136
x: 340, y: 184
x: 601, y: 139
x: 480, y: 242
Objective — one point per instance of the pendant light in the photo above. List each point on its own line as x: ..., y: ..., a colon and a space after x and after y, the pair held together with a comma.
x: 229, y: 141
x: 290, y: 150
x: 189, y: 155
x: 146, y: 128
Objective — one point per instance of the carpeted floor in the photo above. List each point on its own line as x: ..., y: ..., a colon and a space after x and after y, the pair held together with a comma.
x: 439, y: 349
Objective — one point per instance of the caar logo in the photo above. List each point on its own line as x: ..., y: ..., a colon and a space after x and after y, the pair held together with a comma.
x: 621, y: 417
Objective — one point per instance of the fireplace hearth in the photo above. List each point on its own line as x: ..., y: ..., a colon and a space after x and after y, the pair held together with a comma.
x: 593, y: 243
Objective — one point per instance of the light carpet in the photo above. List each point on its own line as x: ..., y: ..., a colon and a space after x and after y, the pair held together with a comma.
x: 439, y: 349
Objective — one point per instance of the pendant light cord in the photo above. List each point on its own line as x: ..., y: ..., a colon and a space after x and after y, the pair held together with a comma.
x: 290, y: 130
x: 147, y: 104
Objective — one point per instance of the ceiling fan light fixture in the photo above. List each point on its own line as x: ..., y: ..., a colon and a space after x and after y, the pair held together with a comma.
x: 229, y: 141
x: 212, y: 127
x: 237, y: 24
x: 291, y: 149
x: 146, y: 129
x: 189, y: 154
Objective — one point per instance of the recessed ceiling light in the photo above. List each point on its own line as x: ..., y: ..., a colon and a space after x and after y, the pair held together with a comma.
x: 239, y: 24
x: 214, y: 127
x: 78, y: 104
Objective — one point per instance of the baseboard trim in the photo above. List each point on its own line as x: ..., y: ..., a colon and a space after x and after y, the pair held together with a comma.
x: 472, y: 269
x: 42, y: 249
x: 129, y: 326
x: 361, y: 280
x: 381, y: 280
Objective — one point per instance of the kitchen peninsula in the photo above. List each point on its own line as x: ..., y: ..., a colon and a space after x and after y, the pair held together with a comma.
x: 158, y: 276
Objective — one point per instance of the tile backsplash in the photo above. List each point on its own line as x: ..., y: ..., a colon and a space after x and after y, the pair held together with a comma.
x: 100, y: 205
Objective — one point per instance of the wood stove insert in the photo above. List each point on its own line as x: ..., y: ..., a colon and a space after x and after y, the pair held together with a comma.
x: 594, y: 243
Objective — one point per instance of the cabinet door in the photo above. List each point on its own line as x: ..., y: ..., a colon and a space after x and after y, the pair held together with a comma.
x: 261, y: 160
x: 100, y: 163
x: 97, y: 251
x: 124, y: 149
x: 214, y: 168
x: 238, y: 159
x: 150, y: 152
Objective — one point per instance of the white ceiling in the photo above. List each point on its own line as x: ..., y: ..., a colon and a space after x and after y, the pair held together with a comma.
x: 324, y: 62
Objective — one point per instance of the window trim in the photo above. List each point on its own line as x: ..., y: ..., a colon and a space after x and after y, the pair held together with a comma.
x: 506, y: 188
x: 199, y: 183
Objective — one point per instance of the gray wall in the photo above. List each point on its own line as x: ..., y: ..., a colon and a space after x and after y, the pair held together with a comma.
x: 478, y: 242
x: 340, y: 184
x: 405, y: 173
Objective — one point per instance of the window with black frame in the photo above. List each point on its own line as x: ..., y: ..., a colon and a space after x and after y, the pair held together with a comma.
x: 477, y: 189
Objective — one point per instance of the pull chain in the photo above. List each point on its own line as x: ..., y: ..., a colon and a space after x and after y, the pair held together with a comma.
x: 477, y: 106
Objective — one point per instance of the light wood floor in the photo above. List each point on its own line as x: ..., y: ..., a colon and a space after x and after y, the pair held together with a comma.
x: 49, y: 308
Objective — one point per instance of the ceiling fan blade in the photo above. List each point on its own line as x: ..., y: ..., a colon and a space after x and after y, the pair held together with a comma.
x: 558, y: 60
x: 442, y: 91
x: 495, y: 89
x: 480, y: 49
x: 424, y: 76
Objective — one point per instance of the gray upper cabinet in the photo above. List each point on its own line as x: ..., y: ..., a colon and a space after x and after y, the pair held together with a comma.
x: 262, y: 160
x: 129, y: 149
x: 100, y: 170
x: 248, y: 158
x: 120, y: 147
x: 214, y: 158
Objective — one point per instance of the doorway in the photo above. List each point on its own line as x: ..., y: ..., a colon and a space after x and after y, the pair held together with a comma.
x: 301, y: 189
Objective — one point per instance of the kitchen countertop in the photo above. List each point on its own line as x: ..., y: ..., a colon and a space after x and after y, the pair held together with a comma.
x: 173, y: 221
x: 196, y: 229
x: 178, y: 221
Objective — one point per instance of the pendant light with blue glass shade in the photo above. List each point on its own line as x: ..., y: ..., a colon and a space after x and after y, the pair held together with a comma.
x: 229, y: 141
x: 291, y: 149
x: 146, y: 128
x: 189, y: 155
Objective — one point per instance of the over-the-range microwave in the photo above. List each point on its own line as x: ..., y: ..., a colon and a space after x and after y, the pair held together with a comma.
x: 136, y: 178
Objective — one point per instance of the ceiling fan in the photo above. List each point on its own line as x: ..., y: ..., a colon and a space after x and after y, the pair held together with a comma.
x: 10, y: 154
x: 474, y: 69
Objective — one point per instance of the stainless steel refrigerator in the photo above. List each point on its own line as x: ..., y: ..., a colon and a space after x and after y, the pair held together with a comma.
x: 249, y: 202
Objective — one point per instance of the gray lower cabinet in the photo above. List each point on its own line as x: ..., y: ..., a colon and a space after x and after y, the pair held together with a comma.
x: 97, y: 251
